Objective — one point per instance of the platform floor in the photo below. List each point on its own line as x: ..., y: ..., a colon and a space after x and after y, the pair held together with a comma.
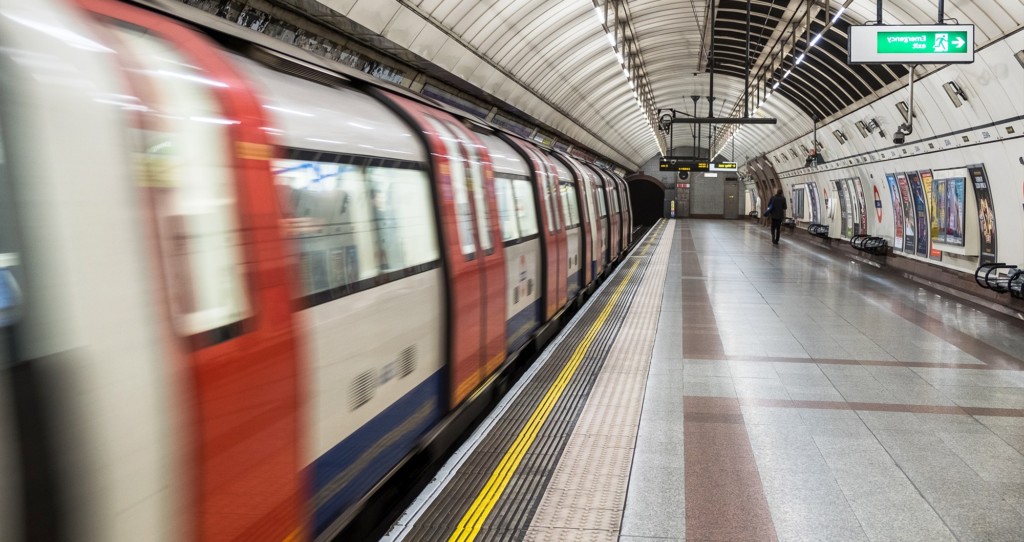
x: 762, y: 392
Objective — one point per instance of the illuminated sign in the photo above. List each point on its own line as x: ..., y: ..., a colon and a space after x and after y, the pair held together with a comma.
x: 911, y: 44
x: 688, y: 165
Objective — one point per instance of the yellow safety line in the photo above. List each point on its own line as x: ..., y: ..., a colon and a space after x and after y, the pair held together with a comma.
x: 477, y: 513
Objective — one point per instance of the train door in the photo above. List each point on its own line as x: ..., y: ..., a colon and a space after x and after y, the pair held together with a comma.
x: 470, y: 250
x: 561, y: 224
x: 548, y: 203
x: 225, y: 272
x: 611, y: 193
x: 588, y: 229
x: 480, y: 175
x: 627, y: 207
x: 626, y: 218
x: 573, y: 229
x: 600, y: 204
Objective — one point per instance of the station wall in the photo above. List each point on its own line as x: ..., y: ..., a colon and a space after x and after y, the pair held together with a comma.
x: 987, y: 128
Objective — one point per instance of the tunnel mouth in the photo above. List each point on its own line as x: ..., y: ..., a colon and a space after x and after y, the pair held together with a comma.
x: 647, y: 200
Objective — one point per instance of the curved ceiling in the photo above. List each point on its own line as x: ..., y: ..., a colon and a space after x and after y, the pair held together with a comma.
x: 560, y: 54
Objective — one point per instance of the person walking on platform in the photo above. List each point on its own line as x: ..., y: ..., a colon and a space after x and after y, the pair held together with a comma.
x: 777, y: 211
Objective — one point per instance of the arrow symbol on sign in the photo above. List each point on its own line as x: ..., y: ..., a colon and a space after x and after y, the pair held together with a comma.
x: 959, y: 42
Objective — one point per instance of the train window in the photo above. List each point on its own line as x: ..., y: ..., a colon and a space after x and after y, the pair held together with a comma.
x: 506, y: 209
x: 10, y: 292
x: 404, y: 216
x: 526, y: 210
x: 572, y: 211
x: 588, y: 193
x: 601, y: 205
x: 615, y: 200
x: 550, y: 203
x: 475, y: 173
x: 328, y: 215
x: 552, y: 188
x: 189, y: 171
x: 460, y: 190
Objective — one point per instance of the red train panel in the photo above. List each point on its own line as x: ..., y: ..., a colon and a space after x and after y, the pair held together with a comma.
x: 242, y: 381
x: 474, y: 255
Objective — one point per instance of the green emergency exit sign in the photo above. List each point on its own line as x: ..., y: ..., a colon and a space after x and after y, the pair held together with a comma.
x: 911, y: 44
x: 922, y: 43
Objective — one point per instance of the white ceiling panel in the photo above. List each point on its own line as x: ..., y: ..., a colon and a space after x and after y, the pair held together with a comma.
x: 374, y: 14
x: 552, y: 60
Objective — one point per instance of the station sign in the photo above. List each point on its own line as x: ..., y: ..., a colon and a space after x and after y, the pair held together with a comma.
x: 911, y: 44
x: 670, y: 163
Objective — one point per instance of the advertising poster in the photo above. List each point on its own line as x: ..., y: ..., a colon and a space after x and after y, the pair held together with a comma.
x: 939, y: 192
x: 955, y: 208
x: 986, y: 213
x: 897, y: 211
x: 920, y: 212
x: 798, y: 203
x: 844, y: 207
x: 933, y: 220
x: 861, y: 205
x: 812, y: 190
x: 909, y: 220
x: 851, y: 223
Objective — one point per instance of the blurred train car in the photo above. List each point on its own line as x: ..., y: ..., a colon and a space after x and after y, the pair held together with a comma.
x: 239, y: 286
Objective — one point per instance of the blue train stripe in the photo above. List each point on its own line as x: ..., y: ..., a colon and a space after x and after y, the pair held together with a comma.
x: 574, y: 283
x: 350, y: 469
x: 521, y: 325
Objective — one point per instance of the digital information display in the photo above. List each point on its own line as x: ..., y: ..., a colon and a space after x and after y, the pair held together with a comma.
x: 911, y: 44
x: 688, y: 164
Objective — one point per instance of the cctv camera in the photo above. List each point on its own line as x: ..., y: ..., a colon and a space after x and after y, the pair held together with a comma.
x: 901, y: 133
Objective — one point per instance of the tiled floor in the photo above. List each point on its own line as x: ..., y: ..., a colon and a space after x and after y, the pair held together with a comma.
x: 822, y: 400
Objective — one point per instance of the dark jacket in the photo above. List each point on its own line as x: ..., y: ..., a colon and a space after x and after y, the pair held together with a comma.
x: 778, y: 205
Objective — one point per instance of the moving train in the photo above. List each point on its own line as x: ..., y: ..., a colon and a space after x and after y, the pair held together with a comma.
x: 240, y: 285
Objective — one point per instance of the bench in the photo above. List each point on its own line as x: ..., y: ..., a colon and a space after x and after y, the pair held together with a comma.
x: 1000, y: 278
x: 818, y: 230
x: 870, y: 244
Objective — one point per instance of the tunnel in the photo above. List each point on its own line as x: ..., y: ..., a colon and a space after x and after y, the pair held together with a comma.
x: 647, y: 200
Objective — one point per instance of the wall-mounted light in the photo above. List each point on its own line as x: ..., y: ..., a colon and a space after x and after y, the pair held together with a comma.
x: 840, y: 136
x: 904, y: 110
x: 862, y: 128
x: 873, y: 124
x: 955, y: 93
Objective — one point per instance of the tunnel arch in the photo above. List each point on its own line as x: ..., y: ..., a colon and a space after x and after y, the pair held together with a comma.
x: 647, y: 199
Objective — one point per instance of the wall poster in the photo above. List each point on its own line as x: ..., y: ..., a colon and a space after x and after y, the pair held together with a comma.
x: 950, y: 200
x: 986, y: 213
x: 927, y: 182
x: 852, y: 217
x: 798, y: 203
x: 812, y: 190
x: 909, y: 220
x: 844, y: 207
x: 897, y: 211
x: 863, y: 230
x: 920, y: 212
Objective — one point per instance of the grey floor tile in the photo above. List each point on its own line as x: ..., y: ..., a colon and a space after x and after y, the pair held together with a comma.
x: 991, y: 457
